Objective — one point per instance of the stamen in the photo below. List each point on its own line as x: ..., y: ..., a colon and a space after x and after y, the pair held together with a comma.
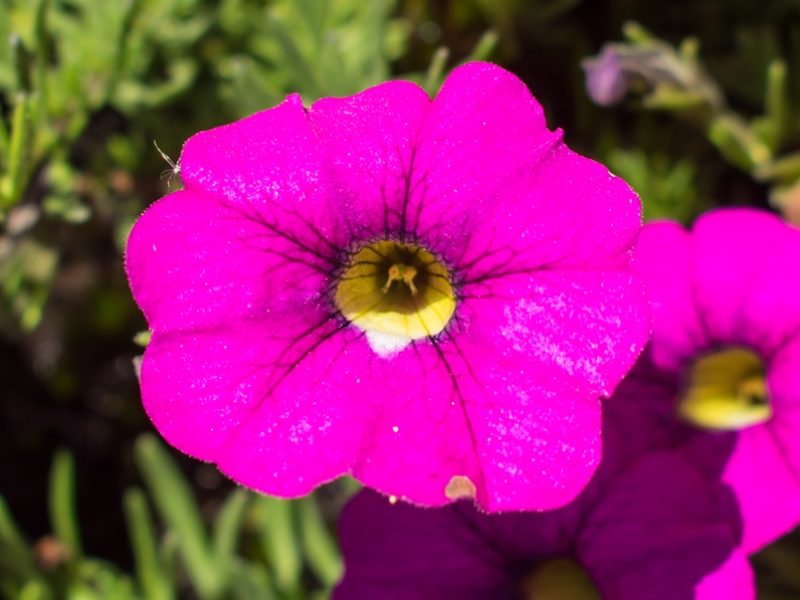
x: 404, y: 273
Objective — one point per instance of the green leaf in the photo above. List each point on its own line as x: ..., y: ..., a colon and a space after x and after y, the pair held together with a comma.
x: 18, y: 153
x: 16, y: 558
x: 63, y: 515
x: 737, y: 142
x: 773, y: 127
x: 485, y: 47
x: 435, y: 73
x: 279, y: 541
x: 319, y: 547
x: 154, y: 581
x: 177, y: 507
x: 227, y: 525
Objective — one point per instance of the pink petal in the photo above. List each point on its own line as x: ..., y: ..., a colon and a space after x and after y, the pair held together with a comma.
x: 400, y: 551
x: 589, y: 327
x: 270, y: 166
x: 269, y: 403
x: 508, y: 398
x: 529, y: 387
x: 743, y: 261
x: 487, y: 169
x: 419, y: 435
x: 765, y: 463
x: 734, y: 580
x: 663, y: 259
x: 369, y: 141
x: 658, y: 530
x: 193, y: 262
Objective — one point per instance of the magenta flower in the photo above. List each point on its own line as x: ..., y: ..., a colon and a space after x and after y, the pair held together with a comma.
x: 430, y: 295
x: 650, y: 526
x: 726, y: 340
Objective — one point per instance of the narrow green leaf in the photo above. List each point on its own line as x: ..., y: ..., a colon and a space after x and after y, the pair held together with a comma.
x: 785, y: 169
x: 42, y: 59
x: 319, y: 547
x: 4, y: 143
x: 21, y: 61
x: 15, y: 555
x: 177, y: 507
x: 227, y: 524
x: 485, y: 46
x: 63, y: 515
x: 279, y: 542
x: 130, y: 10
x: 249, y: 581
x: 435, y: 73
x: 9, y: 534
x: 775, y: 99
x: 154, y: 580
x: 774, y: 125
x: 19, y: 146
x: 737, y: 142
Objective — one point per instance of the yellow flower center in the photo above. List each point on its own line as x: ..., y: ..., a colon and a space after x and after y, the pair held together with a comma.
x: 726, y: 390
x: 559, y: 579
x: 395, y: 293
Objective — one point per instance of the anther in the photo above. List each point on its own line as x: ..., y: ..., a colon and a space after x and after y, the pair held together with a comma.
x: 401, y: 272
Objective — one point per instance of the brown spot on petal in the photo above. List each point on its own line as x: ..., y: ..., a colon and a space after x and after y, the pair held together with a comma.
x: 460, y: 486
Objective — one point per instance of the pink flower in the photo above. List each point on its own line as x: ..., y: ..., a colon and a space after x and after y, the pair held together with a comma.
x: 726, y: 341
x: 430, y: 295
x: 650, y: 526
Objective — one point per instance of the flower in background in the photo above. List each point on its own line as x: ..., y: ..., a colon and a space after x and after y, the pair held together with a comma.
x: 607, y: 81
x: 430, y: 295
x: 650, y: 526
x: 673, y: 79
x: 726, y: 341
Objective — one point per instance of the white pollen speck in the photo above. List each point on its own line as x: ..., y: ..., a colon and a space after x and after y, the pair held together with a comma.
x: 392, y: 499
x: 154, y: 248
x: 386, y: 344
x: 395, y: 428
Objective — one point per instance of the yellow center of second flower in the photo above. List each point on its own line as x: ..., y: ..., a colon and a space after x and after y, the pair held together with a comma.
x: 559, y: 579
x: 726, y: 390
x: 395, y: 293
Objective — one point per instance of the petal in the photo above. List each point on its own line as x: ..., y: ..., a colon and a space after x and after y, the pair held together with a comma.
x: 587, y: 326
x: 488, y: 172
x: 400, y: 551
x: 527, y: 388
x: 663, y: 260
x: 419, y: 436
x: 270, y: 166
x: 767, y: 487
x: 369, y: 141
x: 746, y: 278
x: 193, y: 262
x: 274, y: 404
x: 765, y: 463
x: 256, y: 160
x: 734, y: 580
x: 507, y: 398
x: 658, y: 530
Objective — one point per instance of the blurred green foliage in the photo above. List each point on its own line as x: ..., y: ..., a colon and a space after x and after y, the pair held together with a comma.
x: 87, y: 86
x: 255, y: 547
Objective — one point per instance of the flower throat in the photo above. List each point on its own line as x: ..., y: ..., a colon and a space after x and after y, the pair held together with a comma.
x: 726, y: 390
x: 396, y: 293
